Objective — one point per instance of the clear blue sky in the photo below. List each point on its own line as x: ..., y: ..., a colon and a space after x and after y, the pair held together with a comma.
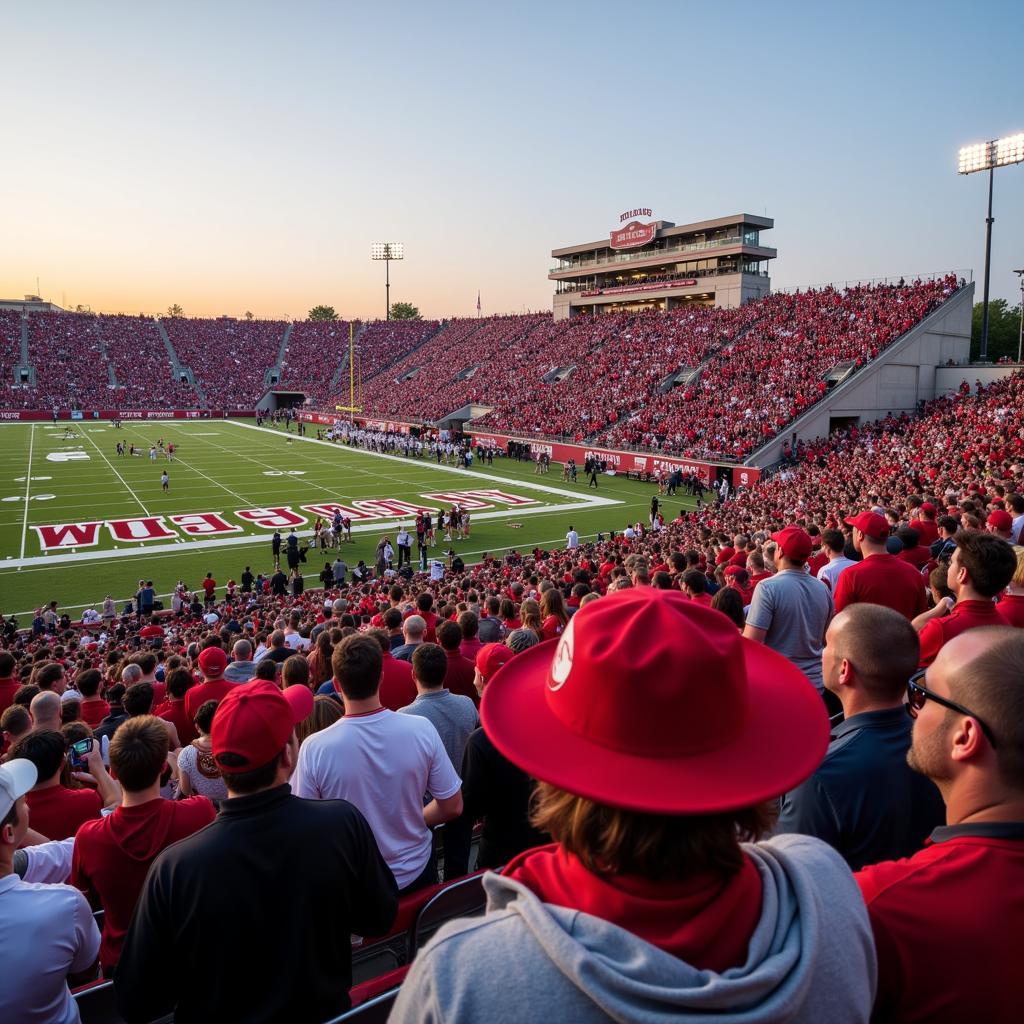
x: 232, y: 156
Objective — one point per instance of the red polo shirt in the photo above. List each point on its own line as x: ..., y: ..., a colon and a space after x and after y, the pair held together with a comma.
x: 1011, y: 609
x: 173, y: 710
x: 57, y: 812
x: 882, y: 579
x: 964, y: 616
x: 397, y: 690
x: 927, y: 531
x: 197, y: 696
x: 947, y: 926
x: 8, y: 688
x: 113, y: 855
x: 460, y: 675
x: 704, y: 599
x: 94, y: 710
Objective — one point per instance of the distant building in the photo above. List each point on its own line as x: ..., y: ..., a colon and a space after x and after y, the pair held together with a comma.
x: 30, y: 304
x: 645, y: 264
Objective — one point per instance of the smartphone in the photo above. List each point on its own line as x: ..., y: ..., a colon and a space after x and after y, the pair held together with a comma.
x: 79, y: 752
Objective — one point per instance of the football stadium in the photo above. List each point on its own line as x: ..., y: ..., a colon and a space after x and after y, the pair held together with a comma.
x: 650, y: 656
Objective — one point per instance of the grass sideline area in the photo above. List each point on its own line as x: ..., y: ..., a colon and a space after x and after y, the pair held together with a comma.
x: 224, y: 466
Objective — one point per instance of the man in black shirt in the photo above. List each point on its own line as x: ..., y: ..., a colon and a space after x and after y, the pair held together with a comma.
x: 493, y: 788
x: 247, y: 580
x: 239, y: 921
x: 864, y: 800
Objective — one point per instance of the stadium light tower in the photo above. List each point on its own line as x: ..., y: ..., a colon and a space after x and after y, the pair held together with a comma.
x: 1020, y: 330
x: 387, y: 251
x: 987, y: 156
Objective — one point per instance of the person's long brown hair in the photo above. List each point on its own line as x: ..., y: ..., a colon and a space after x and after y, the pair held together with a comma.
x: 611, y: 841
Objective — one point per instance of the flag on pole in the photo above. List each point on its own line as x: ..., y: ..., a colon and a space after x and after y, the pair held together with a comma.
x: 478, y: 302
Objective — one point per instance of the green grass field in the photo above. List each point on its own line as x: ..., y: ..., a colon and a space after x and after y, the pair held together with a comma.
x: 226, y: 466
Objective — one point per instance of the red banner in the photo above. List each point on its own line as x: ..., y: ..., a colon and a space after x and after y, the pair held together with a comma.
x: 634, y: 234
x: 625, y: 462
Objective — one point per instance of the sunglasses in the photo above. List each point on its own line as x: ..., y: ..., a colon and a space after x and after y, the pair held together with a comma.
x: 917, y: 694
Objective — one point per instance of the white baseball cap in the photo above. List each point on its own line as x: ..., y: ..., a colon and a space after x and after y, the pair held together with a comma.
x: 17, y: 777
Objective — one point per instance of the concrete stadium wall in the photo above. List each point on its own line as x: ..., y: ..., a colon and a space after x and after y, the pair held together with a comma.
x: 905, y: 374
x: 949, y: 378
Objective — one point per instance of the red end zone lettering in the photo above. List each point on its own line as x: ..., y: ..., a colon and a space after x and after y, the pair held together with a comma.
x: 68, y: 535
x: 385, y: 507
x: 461, y: 498
x: 141, y: 529
x: 277, y: 518
x: 204, y: 524
x: 327, y: 510
x: 499, y: 496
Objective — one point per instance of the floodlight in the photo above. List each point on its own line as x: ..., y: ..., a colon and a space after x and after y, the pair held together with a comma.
x: 387, y: 251
x: 987, y: 156
x: 1010, y: 150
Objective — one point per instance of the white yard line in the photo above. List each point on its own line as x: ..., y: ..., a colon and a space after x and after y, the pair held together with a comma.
x: 28, y: 489
x: 378, y: 526
x: 124, y: 482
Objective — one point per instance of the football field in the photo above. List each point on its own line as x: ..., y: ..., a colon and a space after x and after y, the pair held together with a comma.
x: 78, y: 521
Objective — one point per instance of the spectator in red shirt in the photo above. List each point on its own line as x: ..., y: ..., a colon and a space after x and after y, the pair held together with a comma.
x: 461, y: 672
x: 968, y: 739
x: 9, y: 683
x: 397, y: 689
x: 56, y: 810
x: 93, y: 708
x: 1011, y: 604
x: 173, y: 710
x: 210, y: 588
x: 212, y: 663
x: 880, y: 578
x: 1000, y: 522
x: 424, y: 609
x: 980, y: 568
x: 553, y: 615
x: 695, y: 586
x: 112, y: 855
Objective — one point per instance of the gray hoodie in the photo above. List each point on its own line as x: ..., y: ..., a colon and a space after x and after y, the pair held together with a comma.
x: 811, y: 958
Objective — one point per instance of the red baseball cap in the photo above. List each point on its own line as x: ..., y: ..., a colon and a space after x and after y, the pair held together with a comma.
x: 254, y: 722
x: 734, y: 570
x: 212, y: 662
x: 491, y: 657
x: 654, y: 703
x: 871, y: 524
x: 928, y: 508
x: 794, y: 542
x: 1000, y: 520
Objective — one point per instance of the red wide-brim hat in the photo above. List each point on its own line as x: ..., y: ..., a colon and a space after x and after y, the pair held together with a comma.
x: 654, y: 703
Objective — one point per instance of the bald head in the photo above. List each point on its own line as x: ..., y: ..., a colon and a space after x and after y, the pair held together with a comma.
x: 45, y: 711
x: 983, y: 670
x: 414, y: 628
x: 881, y: 646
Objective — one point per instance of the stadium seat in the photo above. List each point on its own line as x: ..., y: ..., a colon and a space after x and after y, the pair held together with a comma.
x: 375, y: 1010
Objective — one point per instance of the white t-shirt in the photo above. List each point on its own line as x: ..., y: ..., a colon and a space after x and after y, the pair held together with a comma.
x: 296, y: 641
x: 383, y: 763
x: 46, y: 931
x: 831, y: 571
x: 572, y: 540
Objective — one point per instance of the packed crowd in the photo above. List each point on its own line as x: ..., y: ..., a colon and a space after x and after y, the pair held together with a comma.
x: 877, y: 579
x: 68, y: 358
x: 619, y: 364
x: 228, y: 357
x: 752, y: 388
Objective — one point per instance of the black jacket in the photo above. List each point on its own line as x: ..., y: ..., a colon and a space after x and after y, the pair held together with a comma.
x: 250, y: 919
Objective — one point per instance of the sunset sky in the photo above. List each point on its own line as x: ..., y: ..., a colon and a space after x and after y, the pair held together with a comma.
x: 235, y: 156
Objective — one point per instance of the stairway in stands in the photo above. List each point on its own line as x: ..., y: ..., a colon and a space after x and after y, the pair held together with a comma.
x: 180, y: 371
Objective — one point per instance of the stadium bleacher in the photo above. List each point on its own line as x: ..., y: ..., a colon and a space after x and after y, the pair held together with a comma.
x: 963, y: 453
